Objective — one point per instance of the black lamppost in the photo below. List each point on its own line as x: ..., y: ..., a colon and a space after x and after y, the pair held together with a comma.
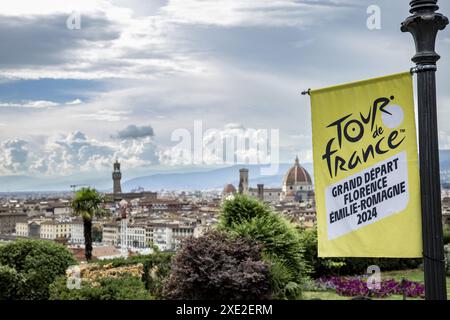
x: 424, y: 25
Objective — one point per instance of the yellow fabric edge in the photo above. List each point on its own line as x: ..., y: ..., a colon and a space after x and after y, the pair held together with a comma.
x: 353, y: 83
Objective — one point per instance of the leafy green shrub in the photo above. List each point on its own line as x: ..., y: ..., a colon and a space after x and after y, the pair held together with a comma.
x: 447, y: 235
x: 241, y: 209
x: 157, y: 268
x: 11, y: 283
x: 348, y: 266
x: 320, y: 266
x: 447, y: 257
x: 218, y: 266
x: 121, y: 262
x: 38, y: 263
x: 359, y: 265
x: 282, y: 244
x: 124, y: 288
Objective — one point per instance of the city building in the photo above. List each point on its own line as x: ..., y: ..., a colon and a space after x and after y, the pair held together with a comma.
x: 62, y: 210
x: 243, y: 181
x: 76, y: 232
x: 162, y: 237
x: 9, y: 219
x: 446, y: 210
x: 297, y: 185
x: 22, y: 229
x: 34, y: 229
x: 228, y: 191
x: 142, y: 196
x: 136, y: 236
x: 111, y: 234
x: 53, y: 230
x: 266, y: 194
x: 116, y: 176
x: 179, y: 233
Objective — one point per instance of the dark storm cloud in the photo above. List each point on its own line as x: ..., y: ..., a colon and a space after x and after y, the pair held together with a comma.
x: 134, y: 132
x: 45, y: 40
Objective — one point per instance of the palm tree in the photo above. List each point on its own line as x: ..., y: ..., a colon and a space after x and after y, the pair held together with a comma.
x: 86, y: 204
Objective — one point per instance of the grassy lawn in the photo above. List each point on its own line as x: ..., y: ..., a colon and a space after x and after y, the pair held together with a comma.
x: 413, y: 275
x: 330, y: 295
x: 322, y: 295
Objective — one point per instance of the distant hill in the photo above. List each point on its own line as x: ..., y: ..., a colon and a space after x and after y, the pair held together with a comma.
x: 26, y: 183
x: 18, y: 183
x: 214, y: 179
x: 444, y: 158
x: 192, y: 180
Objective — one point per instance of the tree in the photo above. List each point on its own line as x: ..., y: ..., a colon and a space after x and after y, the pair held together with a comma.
x: 320, y: 266
x: 281, y: 243
x: 86, y: 204
x: 347, y: 266
x: 218, y: 266
x: 446, y: 235
x: 11, y: 283
x: 157, y: 267
x: 30, y: 266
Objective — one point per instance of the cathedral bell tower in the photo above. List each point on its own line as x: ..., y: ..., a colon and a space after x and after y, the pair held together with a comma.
x: 116, y: 175
x: 243, y: 181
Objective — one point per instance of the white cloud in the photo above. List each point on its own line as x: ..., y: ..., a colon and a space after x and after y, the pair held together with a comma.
x: 13, y: 156
x: 74, y: 102
x: 171, y: 62
x: 45, y: 7
x: 112, y: 43
x: 117, y: 41
x: 66, y: 154
x: 104, y: 115
x: 138, y: 153
x: 39, y: 166
x: 229, y: 13
x: 230, y: 145
x: 39, y: 104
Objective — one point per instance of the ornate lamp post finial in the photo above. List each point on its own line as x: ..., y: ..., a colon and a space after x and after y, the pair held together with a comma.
x: 423, y: 5
x: 424, y: 25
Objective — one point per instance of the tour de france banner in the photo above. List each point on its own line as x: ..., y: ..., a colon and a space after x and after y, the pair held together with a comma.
x: 366, y: 169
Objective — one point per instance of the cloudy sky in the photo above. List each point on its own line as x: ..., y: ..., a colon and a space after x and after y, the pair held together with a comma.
x: 139, y: 70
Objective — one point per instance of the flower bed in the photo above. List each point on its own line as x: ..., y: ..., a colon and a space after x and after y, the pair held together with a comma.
x: 357, y: 286
x: 94, y: 272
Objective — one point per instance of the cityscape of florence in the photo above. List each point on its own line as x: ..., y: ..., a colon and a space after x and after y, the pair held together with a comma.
x: 165, y: 150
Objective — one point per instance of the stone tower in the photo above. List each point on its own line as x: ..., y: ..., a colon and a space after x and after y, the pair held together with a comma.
x: 116, y: 175
x: 260, y: 192
x: 243, y: 181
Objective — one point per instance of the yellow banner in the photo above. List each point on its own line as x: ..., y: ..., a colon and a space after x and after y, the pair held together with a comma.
x: 366, y: 169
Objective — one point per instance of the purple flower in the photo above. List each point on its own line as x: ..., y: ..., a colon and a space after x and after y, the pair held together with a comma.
x: 357, y: 286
